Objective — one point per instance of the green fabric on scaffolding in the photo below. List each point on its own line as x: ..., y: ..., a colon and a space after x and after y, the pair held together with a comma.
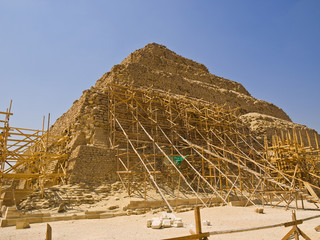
x: 177, y: 159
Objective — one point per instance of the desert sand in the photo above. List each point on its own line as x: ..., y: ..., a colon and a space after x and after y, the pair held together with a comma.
x: 134, y: 227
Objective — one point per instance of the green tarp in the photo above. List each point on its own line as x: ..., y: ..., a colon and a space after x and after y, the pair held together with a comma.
x: 177, y: 159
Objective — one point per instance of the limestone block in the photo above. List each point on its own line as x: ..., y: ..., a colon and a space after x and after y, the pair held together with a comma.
x: 156, y: 224
x: 239, y: 203
x: 92, y: 216
x: 47, y: 219
x: 35, y: 219
x: 78, y: 216
x: 3, y: 223
x: 100, y: 137
x: 258, y: 210
x: 106, y: 215
x: 166, y: 223
x: 12, y: 212
x: 177, y: 224
x: 62, y: 218
x: 11, y: 222
x: 94, y: 212
x: 22, y: 224
x: 119, y: 214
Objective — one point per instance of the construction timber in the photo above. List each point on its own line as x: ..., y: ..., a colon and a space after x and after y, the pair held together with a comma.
x: 176, y: 145
x: 219, y: 159
x: 27, y: 160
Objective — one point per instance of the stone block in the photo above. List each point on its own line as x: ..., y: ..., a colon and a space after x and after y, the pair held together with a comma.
x: 119, y: 214
x: 106, y: 215
x: 22, y: 225
x: 35, y: 219
x: 92, y: 216
x: 239, y: 203
x: 47, y: 219
x: 11, y: 222
x: 177, y: 224
x: 258, y: 210
x: 11, y: 213
x: 3, y: 223
x: 78, y: 216
x: 156, y: 224
x: 166, y: 223
x: 62, y: 218
x: 94, y: 212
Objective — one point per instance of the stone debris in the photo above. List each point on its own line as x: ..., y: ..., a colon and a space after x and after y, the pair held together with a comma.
x: 206, y: 223
x: 258, y: 210
x: 62, y: 208
x: 149, y: 223
x: 64, y: 196
x: 166, y: 220
x: 113, y: 207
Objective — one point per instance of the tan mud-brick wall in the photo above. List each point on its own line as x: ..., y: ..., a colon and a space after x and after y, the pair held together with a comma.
x: 92, y: 164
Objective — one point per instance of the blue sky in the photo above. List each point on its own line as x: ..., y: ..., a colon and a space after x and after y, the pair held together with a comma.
x: 50, y: 51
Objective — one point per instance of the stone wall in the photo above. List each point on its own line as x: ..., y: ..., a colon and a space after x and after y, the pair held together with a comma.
x: 92, y: 164
x: 157, y: 67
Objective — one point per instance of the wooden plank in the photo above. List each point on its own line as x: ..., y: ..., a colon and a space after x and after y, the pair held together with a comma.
x: 261, y: 227
x: 197, y: 220
x: 49, y: 232
x: 294, y: 218
x: 296, y: 222
x: 310, y: 190
x: 6, y: 113
x: 195, y: 236
x: 288, y: 234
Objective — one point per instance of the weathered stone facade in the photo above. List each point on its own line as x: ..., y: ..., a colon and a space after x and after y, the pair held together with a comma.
x: 155, y: 67
x: 92, y: 164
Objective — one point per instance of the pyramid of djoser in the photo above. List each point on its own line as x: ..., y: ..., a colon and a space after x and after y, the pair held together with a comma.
x: 160, y: 132
x: 157, y: 69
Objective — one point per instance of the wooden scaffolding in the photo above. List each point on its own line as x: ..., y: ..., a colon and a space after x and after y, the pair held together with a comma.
x: 296, y: 161
x: 190, y: 145
x: 29, y: 158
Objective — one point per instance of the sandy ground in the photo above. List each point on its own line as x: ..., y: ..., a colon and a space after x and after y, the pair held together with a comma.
x: 134, y: 227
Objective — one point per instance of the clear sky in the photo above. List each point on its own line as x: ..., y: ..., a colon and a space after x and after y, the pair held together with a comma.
x: 52, y: 50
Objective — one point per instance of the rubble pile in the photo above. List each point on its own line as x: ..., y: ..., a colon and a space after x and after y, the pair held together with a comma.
x: 70, y: 196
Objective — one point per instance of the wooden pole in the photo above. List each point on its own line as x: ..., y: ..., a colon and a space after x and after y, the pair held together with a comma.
x: 49, y: 232
x: 295, y: 230
x: 197, y: 220
x: 294, y: 218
